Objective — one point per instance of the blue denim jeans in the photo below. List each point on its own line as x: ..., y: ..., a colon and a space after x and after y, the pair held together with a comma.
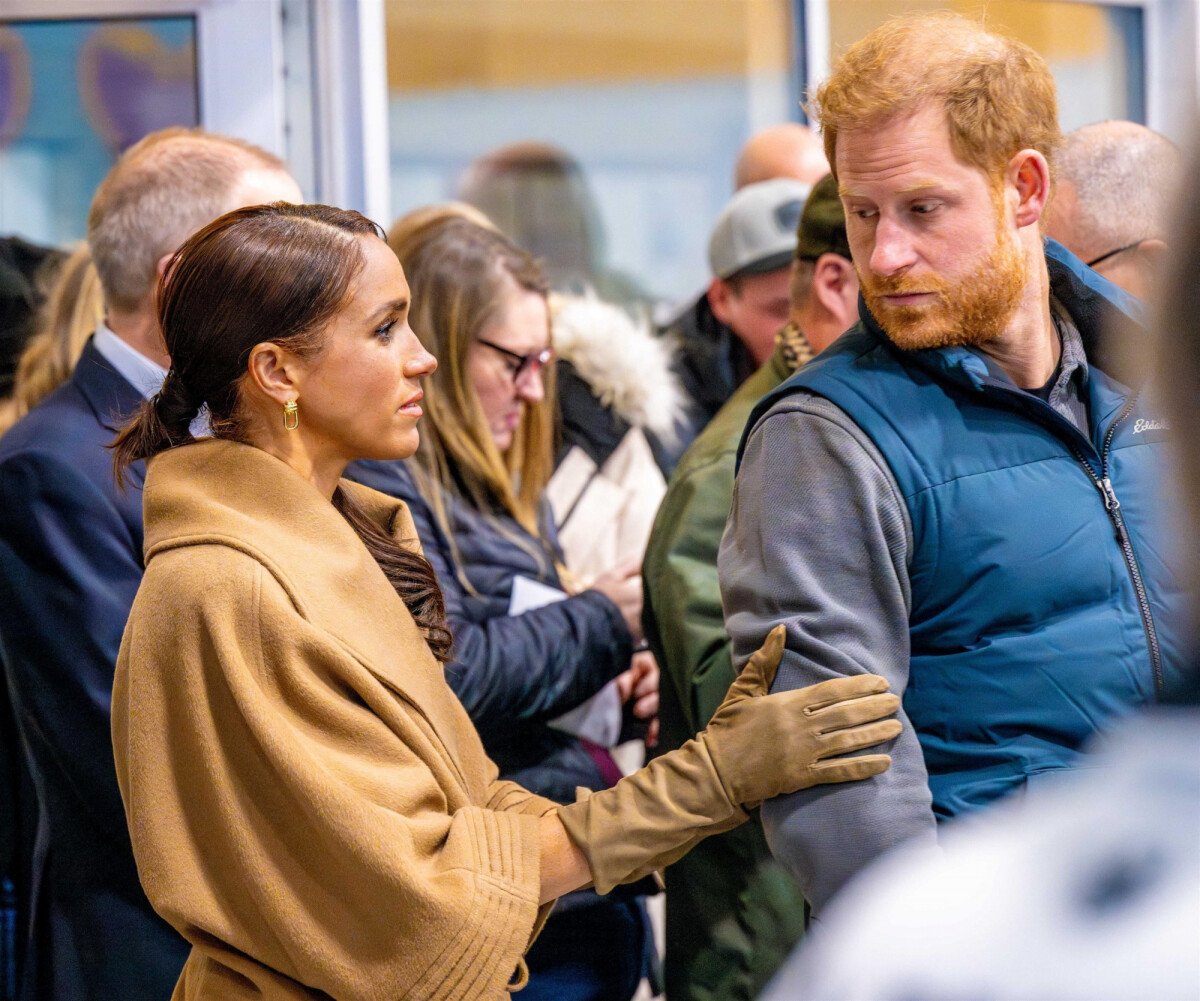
x: 595, y: 952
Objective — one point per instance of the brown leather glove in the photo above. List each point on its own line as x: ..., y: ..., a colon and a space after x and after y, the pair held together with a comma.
x: 756, y: 746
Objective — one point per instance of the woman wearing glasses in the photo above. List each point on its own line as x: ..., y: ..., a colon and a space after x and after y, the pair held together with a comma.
x: 475, y: 490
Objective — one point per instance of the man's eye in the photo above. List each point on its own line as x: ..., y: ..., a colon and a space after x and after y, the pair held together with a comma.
x: 864, y: 213
x: 924, y: 208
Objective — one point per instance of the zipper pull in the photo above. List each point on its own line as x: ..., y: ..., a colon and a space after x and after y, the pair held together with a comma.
x: 1110, y: 495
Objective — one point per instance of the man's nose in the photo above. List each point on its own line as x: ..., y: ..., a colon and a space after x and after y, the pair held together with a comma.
x: 893, y: 251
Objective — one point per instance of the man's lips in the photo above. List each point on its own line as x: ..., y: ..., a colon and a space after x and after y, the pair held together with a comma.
x: 908, y: 298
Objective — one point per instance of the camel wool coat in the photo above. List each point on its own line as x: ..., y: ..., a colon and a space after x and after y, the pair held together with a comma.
x: 309, y: 804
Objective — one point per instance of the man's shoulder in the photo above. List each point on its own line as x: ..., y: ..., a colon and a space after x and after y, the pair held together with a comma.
x: 718, y: 442
x: 61, y: 424
x: 700, y: 342
x: 57, y: 454
x: 858, y: 359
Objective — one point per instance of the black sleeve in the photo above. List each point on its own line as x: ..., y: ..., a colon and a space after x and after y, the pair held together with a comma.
x: 529, y: 667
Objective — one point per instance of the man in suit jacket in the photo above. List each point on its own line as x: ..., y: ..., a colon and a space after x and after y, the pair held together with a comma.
x: 71, y: 562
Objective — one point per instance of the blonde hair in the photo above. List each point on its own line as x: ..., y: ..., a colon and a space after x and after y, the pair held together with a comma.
x: 998, y: 94
x: 73, y: 310
x: 406, y: 232
x: 458, y: 272
x: 162, y: 190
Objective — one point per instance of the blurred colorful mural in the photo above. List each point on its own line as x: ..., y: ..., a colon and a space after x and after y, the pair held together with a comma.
x: 73, y: 95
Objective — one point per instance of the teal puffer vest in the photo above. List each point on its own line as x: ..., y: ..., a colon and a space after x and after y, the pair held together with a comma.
x: 1044, y: 597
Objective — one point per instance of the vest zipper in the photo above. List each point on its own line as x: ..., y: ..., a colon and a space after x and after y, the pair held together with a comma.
x: 1113, y: 506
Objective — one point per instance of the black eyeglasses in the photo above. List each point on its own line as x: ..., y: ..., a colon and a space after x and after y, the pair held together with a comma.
x: 1119, y: 250
x: 518, y: 365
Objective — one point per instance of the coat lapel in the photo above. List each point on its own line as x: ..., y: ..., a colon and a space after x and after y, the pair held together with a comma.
x: 225, y: 492
x: 111, y: 398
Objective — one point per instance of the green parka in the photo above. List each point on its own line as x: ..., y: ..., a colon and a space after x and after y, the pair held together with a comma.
x: 733, y: 913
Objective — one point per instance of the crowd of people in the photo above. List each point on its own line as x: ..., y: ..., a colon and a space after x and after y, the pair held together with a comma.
x: 395, y: 614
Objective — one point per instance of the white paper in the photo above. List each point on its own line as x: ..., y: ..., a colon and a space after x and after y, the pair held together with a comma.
x: 528, y: 594
x: 599, y: 718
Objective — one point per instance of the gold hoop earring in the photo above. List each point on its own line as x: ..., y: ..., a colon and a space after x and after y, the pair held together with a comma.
x: 291, y: 415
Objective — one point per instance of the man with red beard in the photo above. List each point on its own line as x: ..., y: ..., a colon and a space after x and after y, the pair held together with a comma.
x: 962, y: 493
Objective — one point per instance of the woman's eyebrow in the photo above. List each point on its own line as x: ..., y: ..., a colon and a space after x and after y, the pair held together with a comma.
x: 395, y: 306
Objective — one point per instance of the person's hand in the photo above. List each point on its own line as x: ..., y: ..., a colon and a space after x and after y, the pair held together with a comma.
x: 638, y: 688
x: 764, y: 745
x: 756, y: 746
x: 622, y: 585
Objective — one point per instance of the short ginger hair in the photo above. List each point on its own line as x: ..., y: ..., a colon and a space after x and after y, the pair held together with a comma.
x: 161, y: 191
x: 998, y: 94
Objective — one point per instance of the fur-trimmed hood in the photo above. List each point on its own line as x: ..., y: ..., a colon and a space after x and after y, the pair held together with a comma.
x: 625, y: 365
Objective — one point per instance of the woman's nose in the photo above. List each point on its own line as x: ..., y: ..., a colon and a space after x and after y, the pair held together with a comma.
x: 421, y: 365
x: 418, y: 361
x: 530, y: 387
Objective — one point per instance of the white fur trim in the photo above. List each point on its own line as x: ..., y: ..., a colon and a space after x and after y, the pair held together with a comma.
x: 626, y: 366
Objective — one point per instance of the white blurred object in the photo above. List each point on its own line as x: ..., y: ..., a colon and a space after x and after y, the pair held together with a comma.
x: 605, y: 513
x: 599, y: 718
x: 1086, y: 887
x: 626, y: 366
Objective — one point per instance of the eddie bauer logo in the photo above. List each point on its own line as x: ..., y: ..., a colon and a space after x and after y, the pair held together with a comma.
x: 1142, y: 424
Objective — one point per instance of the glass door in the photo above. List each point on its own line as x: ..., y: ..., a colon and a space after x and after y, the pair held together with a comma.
x: 81, y: 80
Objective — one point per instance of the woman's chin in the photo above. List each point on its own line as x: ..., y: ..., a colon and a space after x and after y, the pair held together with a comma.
x: 401, y: 446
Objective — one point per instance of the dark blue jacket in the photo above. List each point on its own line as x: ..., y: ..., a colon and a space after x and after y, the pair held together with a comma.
x: 1044, y: 601
x: 70, y: 564
x: 514, y: 673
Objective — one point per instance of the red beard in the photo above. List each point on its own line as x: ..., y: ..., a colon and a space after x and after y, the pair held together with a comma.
x: 972, y: 311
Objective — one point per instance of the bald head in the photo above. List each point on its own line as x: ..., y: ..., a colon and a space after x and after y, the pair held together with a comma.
x: 787, y: 150
x: 1115, y: 184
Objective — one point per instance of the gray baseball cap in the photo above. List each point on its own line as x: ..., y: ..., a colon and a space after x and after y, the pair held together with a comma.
x: 756, y: 231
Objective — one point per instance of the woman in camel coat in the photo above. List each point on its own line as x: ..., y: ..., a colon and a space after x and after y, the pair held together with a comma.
x: 309, y: 804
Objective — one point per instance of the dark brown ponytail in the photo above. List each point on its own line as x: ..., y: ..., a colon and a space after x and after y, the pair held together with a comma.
x: 409, y: 573
x: 275, y: 273
x: 158, y: 424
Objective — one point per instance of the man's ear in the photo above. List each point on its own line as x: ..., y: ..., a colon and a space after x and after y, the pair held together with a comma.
x: 719, y: 294
x: 1029, y: 173
x: 161, y: 267
x: 835, y: 284
x: 275, y: 372
x: 1155, y: 249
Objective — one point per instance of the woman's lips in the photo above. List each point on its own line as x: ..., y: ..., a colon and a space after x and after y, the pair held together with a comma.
x: 412, y: 406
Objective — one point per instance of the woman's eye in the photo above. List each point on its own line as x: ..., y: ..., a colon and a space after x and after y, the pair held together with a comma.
x: 384, y: 332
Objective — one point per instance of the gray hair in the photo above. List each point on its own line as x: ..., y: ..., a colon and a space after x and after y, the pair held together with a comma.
x: 1125, y: 178
x: 162, y: 190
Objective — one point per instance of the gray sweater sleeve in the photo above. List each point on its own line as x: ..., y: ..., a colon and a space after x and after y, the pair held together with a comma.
x: 818, y: 537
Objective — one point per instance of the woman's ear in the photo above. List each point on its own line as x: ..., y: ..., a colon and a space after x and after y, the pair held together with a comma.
x: 275, y: 372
